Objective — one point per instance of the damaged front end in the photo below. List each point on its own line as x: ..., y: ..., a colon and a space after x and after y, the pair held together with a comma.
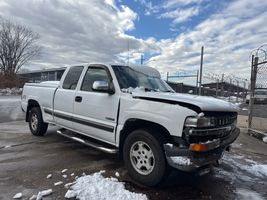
x: 204, y: 139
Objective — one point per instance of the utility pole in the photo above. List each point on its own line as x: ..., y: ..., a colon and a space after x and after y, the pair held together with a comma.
x: 254, y: 66
x: 167, y: 77
x: 237, y: 91
x: 200, y: 71
x: 222, y: 89
x: 197, y: 81
x: 217, y: 86
x: 142, y: 59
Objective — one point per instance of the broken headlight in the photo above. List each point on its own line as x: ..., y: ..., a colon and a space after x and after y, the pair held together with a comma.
x: 200, y: 121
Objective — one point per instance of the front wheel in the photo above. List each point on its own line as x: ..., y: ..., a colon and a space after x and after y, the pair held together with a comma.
x: 144, y: 157
x: 36, y: 124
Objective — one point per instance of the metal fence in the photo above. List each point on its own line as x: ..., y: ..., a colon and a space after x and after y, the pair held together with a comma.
x: 257, y: 112
x: 228, y: 88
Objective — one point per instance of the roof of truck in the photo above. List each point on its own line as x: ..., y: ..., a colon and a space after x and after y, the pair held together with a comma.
x: 140, y: 68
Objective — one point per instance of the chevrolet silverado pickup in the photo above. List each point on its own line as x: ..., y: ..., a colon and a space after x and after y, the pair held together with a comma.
x: 131, y: 111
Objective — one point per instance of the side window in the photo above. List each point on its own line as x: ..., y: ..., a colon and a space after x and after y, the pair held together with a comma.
x: 93, y: 74
x: 72, y: 77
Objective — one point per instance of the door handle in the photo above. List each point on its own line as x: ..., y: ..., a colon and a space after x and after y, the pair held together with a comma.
x: 78, y: 99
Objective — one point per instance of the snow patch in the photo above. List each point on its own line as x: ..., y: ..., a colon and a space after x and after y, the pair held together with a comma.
x: 264, y: 139
x: 49, y: 176
x: 252, y: 167
x: 169, y: 145
x: 58, y: 183
x: 17, y: 196
x: 180, y: 160
x: 64, y: 170
x: 97, y: 187
x: 64, y: 176
x: 259, y: 170
x: 72, y: 174
x: 10, y: 91
x: 117, y: 174
x: 248, y: 194
x: 33, y: 197
x: 67, y: 185
x: 43, y: 193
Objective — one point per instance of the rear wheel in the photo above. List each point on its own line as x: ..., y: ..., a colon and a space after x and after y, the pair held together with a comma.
x: 36, y: 124
x: 144, y: 157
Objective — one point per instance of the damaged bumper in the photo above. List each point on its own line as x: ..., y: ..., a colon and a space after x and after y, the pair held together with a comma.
x: 200, y: 154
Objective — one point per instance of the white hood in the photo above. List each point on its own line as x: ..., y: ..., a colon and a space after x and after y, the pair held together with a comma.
x: 204, y: 103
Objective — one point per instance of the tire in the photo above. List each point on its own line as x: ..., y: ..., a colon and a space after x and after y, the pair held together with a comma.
x: 36, y: 123
x: 141, y: 143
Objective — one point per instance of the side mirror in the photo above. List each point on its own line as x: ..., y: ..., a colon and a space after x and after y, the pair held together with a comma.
x: 103, y: 86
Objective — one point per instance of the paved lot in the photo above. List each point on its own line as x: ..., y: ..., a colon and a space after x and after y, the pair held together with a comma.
x: 25, y: 161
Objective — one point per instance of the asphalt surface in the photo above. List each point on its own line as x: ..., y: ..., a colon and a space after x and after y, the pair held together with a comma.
x: 26, y: 160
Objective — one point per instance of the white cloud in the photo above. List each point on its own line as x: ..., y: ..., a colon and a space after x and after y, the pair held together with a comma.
x: 76, y: 31
x: 228, y: 37
x: 175, y: 3
x: 181, y: 15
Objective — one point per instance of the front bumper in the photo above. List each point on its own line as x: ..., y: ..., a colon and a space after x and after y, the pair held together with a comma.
x: 188, y: 160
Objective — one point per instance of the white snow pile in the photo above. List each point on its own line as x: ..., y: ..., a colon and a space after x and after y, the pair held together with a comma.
x: 257, y: 169
x: 49, y: 176
x: 43, y: 193
x: 248, y: 194
x: 17, y: 196
x: 10, y: 91
x: 97, y: 187
x: 264, y: 139
x: 180, y: 160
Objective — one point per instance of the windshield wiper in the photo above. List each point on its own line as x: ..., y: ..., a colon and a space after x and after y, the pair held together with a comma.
x: 169, y: 91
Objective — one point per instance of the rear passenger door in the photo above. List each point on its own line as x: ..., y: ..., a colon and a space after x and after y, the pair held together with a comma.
x: 65, y: 96
x: 96, y: 113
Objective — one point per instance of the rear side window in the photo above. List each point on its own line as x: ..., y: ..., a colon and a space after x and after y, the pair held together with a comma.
x: 72, y: 77
x: 92, y: 75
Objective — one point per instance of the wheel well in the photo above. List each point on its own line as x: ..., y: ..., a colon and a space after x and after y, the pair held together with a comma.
x: 31, y: 104
x: 134, y: 124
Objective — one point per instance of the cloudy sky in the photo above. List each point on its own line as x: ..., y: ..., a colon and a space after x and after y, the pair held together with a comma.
x: 169, y: 33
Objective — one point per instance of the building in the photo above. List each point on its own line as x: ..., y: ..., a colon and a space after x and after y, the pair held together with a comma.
x: 38, y: 76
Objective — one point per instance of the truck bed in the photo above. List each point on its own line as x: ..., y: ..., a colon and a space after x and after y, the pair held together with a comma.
x: 43, y: 93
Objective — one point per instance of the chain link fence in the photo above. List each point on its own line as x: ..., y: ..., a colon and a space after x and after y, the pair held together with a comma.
x: 257, y: 120
x: 228, y: 88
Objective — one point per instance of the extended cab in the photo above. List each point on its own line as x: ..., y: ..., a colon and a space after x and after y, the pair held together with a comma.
x: 130, y: 110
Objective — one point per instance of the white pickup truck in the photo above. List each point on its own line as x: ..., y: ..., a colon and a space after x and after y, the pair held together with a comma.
x: 131, y: 111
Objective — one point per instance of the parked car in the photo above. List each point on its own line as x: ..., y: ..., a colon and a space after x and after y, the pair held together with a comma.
x: 260, y: 96
x: 131, y: 111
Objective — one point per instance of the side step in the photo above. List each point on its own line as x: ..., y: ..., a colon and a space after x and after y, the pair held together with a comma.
x: 87, y: 141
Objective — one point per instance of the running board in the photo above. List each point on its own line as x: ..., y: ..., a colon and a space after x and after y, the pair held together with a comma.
x: 94, y: 145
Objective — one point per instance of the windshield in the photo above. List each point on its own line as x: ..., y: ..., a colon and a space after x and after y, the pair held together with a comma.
x: 128, y: 77
x: 260, y: 92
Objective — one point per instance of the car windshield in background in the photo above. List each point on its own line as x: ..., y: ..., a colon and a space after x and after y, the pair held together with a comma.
x: 128, y: 77
x: 260, y: 92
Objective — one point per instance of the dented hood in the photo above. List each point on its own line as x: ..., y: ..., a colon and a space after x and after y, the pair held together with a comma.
x: 204, y: 103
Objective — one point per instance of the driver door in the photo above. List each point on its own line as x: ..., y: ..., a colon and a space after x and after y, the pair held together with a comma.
x: 95, y: 114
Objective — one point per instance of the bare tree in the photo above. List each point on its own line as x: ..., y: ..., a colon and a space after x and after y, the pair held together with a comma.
x: 17, y: 46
